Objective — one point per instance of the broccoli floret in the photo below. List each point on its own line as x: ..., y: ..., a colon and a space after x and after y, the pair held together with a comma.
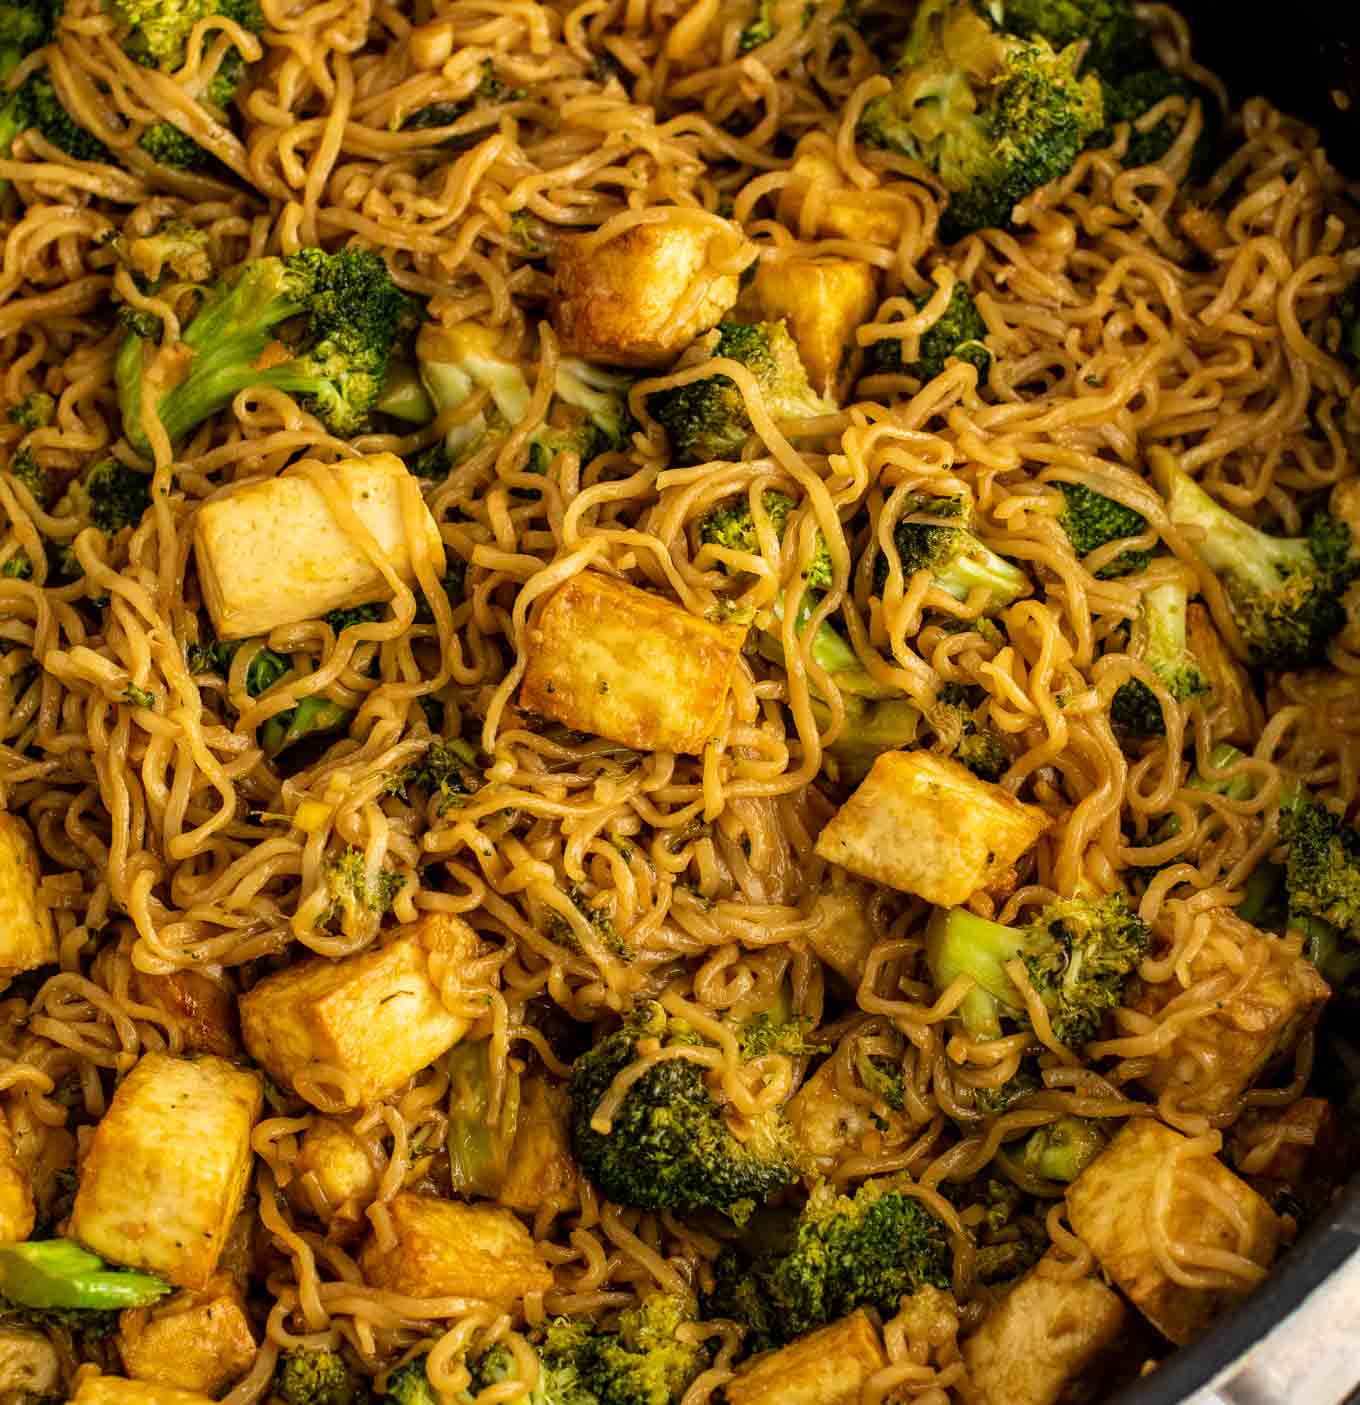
x: 588, y: 416
x: 1078, y: 953
x: 1062, y: 1150
x: 111, y: 495
x: 37, y: 480
x: 707, y: 419
x: 138, y: 697
x: 760, y: 28
x: 1322, y: 872
x: 1285, y: 592
x: 668, y: 1145
x: 933, y: 536
x: 17, y: 567
x: 489, y: 90
x: 318, y: 1377
x: 34, y: 411
x: 993, y: 116
x: 23, y: 28
x: 843, y: 1253
x: 341, y: 620
x: 1092, y: 520
x: 992, y: 1102
x: 35, y: 104
x: 349, y: 308
x: 979, y: 747
x: 313, y: 716
x: 1108, y: 28
x: 165, y: 144
x: 264, y: 670
x: 959, y: 332
x: 353, y: 891
x: 1159, y: 636
x: 1127, y: 97
x: 411, y: 1386
x: 732, y: 525
x: 59, y: 1274
x: 643, y: 1363
x: 598, y: 917
x: 446, y: 771
x: 160, y: 29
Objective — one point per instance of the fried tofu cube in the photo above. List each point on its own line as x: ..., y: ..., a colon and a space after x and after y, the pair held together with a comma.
x: 827, y: 1124
x: 540, y: 1167
x: 196, y: 1341
x: 926, y: 825
x: 826, y: 1367
x: 377, y: 1017
x: 168, y: 1165
x: 274, y: 553
x: 1041, y: 1338
x: 1299, y: 1151
x: 619, y: 662
x: 1235, y: 713
x: 823, y: 301
x: 334, y: 1177
x: 641, y: 298
x: 817, y: 200
x: 842, y: 933
x: 1111, y: 1206
x: 114, y: 1390
x: 204, y: 1009
x: 29, y: 1367
x: 1217, y: 1058
x: 17, y: 1209
x: 445, y: 1249
x: 27, y: 937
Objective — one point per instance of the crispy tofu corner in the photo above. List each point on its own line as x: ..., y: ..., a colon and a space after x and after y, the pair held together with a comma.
x: 926, y: 825
x: 823, y: 300
x: 541, y: 1168
x: 826, y: 1367
x: 195, y: 1341
x: 27, y: 937
x: 619, y: 662
x: 116, y: 1390
x: 817, y: 200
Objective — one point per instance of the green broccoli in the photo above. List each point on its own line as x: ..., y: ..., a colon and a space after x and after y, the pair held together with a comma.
x: 34, y: 411
x: 959, y: 332
x: 668, y: 1145
x: 138, y: 697
x: 409, y: 1385
x: 1238, y: 785
x: 489, y: 90
x: 1158, y: 637
x: 404, y: 396
x: 446, y: 771
x: 707, y: 419
x: 454, y: 363
x: 350, y: 308
x: 167, y: 145
x: 353, y: 891
x: 1109, y: 28
x: 1092, y: 520
x: 842, y: 1253
x: 17, y: 567
x: 312, y: 716
x: 933, y: 535
x: 980, y: 747
x: 1128, y: 96
x: 37, y: 480
x: 367, y: 613
x: 1063, y: 1149
x: 1284, y: 592
x: 478, y: 1150
x: 111, y: 495
x: 318, y: 1376
x: 58, y: 1274
x: 760, y: 28
x: 1322, y: 873
x: 35, y: 104
x: 588, y: 416
x: 264, y: 670
x: 993, y: 116
x: 1078, y: 954
x: 871, y: 727
x: 992, y: 1102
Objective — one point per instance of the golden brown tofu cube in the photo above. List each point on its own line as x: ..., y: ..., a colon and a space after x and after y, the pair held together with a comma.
x: 114, y: 1390
x: 823, y: 301
x: 29, y: 1366
x: 27, y: 937
x: 817, y: 200
x: 1041, y: 1338
x: 926, y: 825
x: 619, y: 662
x: 1299, y: 1151
x: 828, y: 1124
x: 17, y: 1210
x: 1111, y: 1207
x: 641, y: 298
x: 273, y: 553
x: 842, y: 934
x: 540, y: 1169
x: 334, y: 1176
x: 196, y: 1341
x: 168, y: 1165
x: 1217, y: 1058
x: 204, y: 1009
x: 826, y: 1367
x: 377, y: 1017
x: 446, y: 1249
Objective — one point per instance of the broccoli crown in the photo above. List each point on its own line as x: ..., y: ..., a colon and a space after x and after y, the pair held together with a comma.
x: 34, y: 411
x: 1323, y: 869
x: 36, y: 104
x: 1128, y: 96
x: 959, y: 332
x: 17, y: 567
x: 1109, y: 28
x: 23, y: 28
x: 489, y: 89
x: 1092, y: 520
x: 979, y: 747
x: 1160, y: 629
x: 1062, y: 1150
x: 732, y: 525
x: 264, y: 670
x: 843, y: 1253
x: 57, y: 1274
x: 669, y: 1146
x: 707, y: 419
x: 165, y: 144
x: 348, y: 308
x: 353, y: 890
x: 992, y: 1102
x: 160, y: 29
x: 994, y: 116
x: 446, y: 771
x: 317, y: 1377
x: 37, y: 480
x: 409, y: 1385
x: 112, y: 495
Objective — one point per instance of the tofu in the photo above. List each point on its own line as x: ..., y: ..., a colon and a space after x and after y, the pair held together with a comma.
x: 28, y: 938
x: 196, y: 1341
x: 541, y: 1170
x: 1278, y: 1143
x: 273, y: 553
x: 29, y: 1366
x: 204, y: 1010
x: 841, y: 933
x: 334, y: 1177
x: 446, y: 1249
x: 618, y: 662
x: 17, y: 1209
x: 926, y: 825
x: 1041, y: 1338
x: 114, y: 1390
x: 1217, y: 1058
x: 823, y: 301
x: 816, y: 200
x: 1110, y: 1207
x: 641, y: 298
x: 826, y: 1367
x: 827, y: 1125
x: 377, y: 1017
x: 1234, y: 712
x: 168, y: 1165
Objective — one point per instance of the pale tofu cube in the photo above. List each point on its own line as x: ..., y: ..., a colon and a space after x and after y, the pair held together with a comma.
x: 17, y: 1210
x: 826, y: 1367
x: 1219, y: 1056
x: 29, y: 1366
x: 274, y: 553
x: 1041, y: 1338
x: 541, y: 1170
x: 926, y: 825
x: 828, y: 1125
x: 376, y: 1017
x: 114, y: 1390
x: 1111, y: 1207
x: 823, y: 301
x: 27, y: 937
x: 445, y: 1249
x: 641, y: 298
x: 196, y: 1341
x: 204, y: 1009
x: 167, y: 1167
x: 334, y: 1175
x: 842, y: 933
x: 619, y: 662
x: 817, y: 200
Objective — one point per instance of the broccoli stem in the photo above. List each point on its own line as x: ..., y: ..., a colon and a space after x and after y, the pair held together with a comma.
x: 57, y: 1273
x: 311, y: 715
x: 404, y: 396
x: 478, y: 1150
x: 870, y: 728
x: 980, y: 567
x: 1062, y: 1150
x: 960, y: 943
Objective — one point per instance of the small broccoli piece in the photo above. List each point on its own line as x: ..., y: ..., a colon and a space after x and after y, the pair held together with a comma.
x: 993, y: 116
x: 871, y: 728
x: 264, y: 670
x: 1078, y: 954
x: 446, y: 771
x: 34, y: 411
x: 353, y: 891
x: 1092, y: 520
x: 489, y: 90
x: 312, y: 716
x: 760, y: 28
x: 1108, y: 28
x: 1062, y: 1150
x: 111, y: 495
x: 933, y: 536
x: 17, y: 567
x: 23, y: 28
x: 600, y: 922
x: 348, y: 309
x: 979, y: 747
x: 1128, y: 96
x: 341, y: 620
x: 37, y: 480
x: 842, y: 1253
x: 1322, y: 872
x: 588, y: 416
x: 454, y: 363
x: 643, y: 1363
x: 478, y: 1149
x: 1159, y: 634
x: 959, y: 332
x: 57, y: 1273
x: 707, y: 419
x: 409, y: 1385
x: 167, y: 145
x: 35, y: 104
x: 732, y: 525
x: 992, y: 1102
x: 668, y: 1145
x: 404, y: 396
x: 318, y: 1377
x: 138, y: 697
x: 1285, y: 592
